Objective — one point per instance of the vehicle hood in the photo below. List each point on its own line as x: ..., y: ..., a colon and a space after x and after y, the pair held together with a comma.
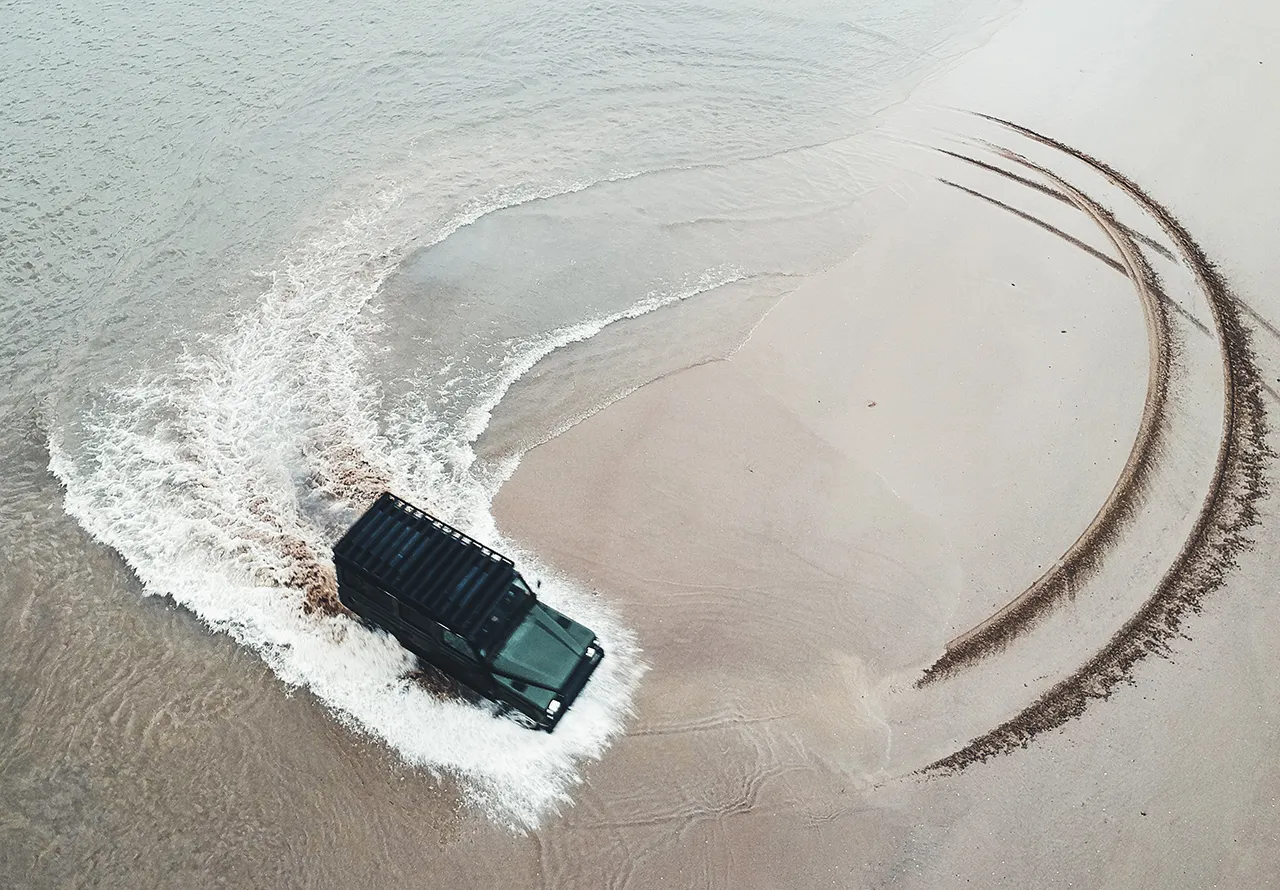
x: 544, y: 648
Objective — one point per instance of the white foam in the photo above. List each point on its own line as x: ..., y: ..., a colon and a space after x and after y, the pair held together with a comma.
x: 200, y: 477
x: 454, y: 448
x: 517, y: 776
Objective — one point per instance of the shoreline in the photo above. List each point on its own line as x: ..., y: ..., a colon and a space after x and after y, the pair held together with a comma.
x: 791, y: 542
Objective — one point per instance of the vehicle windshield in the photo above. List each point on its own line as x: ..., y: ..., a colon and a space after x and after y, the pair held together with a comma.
x: 506, y: 614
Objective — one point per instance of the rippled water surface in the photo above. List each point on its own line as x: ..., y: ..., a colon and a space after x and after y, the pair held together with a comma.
x: 260, y: 261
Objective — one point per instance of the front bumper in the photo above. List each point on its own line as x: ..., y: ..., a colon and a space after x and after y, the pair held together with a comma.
x: 577, y: 680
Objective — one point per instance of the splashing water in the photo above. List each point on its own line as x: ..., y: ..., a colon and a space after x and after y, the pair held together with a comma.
x: 224, y: 481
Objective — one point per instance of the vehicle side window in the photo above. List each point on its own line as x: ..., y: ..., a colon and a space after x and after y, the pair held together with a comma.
x: 380, y: 599
x: 375, y: 596
x: 456, y: 643
x: 416, y: 617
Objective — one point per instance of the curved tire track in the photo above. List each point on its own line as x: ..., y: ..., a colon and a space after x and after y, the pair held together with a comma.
x: 1085, y: 555
x: 1222, y: 528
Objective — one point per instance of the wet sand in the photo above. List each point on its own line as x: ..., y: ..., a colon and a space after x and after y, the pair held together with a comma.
x: 912, y: 441
x: 901, y: 447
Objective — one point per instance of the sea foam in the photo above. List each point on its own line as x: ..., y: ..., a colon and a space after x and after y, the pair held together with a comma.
x: 219, y: 480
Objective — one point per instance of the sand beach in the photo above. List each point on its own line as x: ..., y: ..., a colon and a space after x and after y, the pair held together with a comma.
x: 893, y: 389
x: 907, y: 443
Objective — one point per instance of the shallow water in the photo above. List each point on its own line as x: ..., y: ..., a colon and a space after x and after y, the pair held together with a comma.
x: 259, y: 263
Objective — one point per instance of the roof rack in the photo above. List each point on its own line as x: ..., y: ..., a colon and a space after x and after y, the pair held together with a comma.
x: 426, y: 562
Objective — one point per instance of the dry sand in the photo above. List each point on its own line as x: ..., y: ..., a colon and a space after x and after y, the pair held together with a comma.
x: 911, y: 439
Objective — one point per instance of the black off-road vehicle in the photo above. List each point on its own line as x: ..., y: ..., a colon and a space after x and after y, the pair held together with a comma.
x: 463, y: 608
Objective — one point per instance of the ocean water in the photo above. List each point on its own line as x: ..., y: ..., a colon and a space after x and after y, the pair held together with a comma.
x: 259, y: 262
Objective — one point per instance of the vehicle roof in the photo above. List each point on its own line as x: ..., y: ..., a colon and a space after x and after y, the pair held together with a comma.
x: 418, y: 558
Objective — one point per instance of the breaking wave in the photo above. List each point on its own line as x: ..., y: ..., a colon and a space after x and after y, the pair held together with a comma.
x: 224, y: 479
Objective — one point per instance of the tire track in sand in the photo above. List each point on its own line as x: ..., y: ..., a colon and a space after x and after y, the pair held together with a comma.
x: 1222, y: 528
x: 1085, y: 555
x: 1037, y: 221
x: 1050, y: 192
